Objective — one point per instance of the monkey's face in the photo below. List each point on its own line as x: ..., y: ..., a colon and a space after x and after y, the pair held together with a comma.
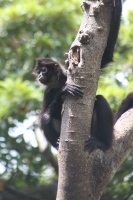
x: 46, y: 70
x: 42, y: 74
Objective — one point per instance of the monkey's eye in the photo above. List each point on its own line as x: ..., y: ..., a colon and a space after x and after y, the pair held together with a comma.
x: 44, y: 69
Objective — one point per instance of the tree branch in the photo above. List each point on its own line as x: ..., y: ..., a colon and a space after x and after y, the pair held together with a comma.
x: 103, y: 166
x: 76, y: 166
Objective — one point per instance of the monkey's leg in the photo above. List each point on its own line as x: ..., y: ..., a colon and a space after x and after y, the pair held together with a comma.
x: 101, y: 127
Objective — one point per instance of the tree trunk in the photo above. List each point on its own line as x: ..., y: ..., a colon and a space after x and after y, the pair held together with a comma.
x: 78, y: 169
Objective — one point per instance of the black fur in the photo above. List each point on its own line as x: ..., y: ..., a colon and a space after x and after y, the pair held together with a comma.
x: 101, y: 127
x: 114, y: 29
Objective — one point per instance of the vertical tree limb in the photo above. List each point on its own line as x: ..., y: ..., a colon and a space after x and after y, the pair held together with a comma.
x: 84, y: 59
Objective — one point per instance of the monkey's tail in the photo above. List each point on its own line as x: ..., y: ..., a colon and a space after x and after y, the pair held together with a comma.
x: 114, y: 29
x: 126, y: 104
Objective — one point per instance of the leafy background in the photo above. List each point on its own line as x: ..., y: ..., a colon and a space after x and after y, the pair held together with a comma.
x: 31, y: 29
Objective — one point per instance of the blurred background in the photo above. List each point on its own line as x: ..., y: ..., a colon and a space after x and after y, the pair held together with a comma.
x: 28, y: 30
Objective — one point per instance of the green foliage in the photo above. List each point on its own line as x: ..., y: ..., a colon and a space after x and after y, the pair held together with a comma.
x: 17, y: 90
x: 28, y: 29
x: 121, y: 186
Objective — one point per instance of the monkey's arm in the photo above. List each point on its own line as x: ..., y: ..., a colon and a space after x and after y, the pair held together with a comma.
x: 51, y: 111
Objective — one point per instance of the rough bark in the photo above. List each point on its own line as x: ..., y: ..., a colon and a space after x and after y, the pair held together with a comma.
x: 84, y: 69
x: 84, y: 175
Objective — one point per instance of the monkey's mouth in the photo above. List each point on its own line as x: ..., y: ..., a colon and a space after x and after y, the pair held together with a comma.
x: 41, y: 78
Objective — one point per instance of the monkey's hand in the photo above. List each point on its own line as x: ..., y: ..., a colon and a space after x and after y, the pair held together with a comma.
x: 73, y: 90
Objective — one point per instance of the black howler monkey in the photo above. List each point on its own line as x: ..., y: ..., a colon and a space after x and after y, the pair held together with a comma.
x: 51, y: 74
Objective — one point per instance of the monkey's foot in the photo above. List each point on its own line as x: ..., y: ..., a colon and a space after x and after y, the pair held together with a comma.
x: 92, y: 143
